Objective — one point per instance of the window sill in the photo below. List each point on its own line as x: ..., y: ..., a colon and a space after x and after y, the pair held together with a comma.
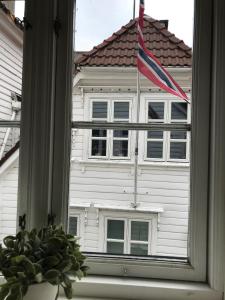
x: 131, y: 163
x: 106, y: 287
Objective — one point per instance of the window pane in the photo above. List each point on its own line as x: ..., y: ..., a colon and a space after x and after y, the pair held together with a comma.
x: 99, y: 133
x: 120, y: 133
x: 98, y: 148
x: 156, y: 110
x: 178, y: 150
x: 73, y: 225
x: 121, y: 110
x: 99, y: 110
x: 179, y: 111
x: 139, y: 231
x: 154, y: 149
x: 155, y: 134
x: 139, y: 249
x: 120, y: 148
x: 115, y: 229
x: 115, y: 247
x: 178, y: 134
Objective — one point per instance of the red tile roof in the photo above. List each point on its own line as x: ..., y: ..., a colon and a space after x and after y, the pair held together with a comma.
x: 120, y: 49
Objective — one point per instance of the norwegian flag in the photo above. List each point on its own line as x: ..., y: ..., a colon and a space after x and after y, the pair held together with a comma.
x: 150, y: 66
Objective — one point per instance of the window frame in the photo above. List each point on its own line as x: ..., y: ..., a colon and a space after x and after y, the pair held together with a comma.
x: 208, y: 77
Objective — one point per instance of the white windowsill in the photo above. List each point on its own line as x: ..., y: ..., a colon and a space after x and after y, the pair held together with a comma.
x: 105, y: 287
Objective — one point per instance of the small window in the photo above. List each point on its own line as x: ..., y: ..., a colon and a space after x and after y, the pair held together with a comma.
x: 139, y: 238
x: 115, y: 236
x: 156, y: 110
x: 100, y: 110
x: 73, y: 225
x: 121, y: 110
x: 99, y: 142
x: 178, y: 111
x: 155, y: 143
x: 178, y: 144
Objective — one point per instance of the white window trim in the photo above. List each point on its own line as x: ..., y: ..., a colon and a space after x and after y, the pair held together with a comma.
x: 152, y: 218
x: 80, y: 214
x: 110, y: 99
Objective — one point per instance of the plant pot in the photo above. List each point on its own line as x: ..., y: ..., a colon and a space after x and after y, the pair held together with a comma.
x: 41, y: 291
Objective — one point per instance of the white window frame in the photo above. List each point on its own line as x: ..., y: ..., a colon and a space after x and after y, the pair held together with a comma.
x: 203, y: 276
x: 110, y: 99
x: 127, y: 217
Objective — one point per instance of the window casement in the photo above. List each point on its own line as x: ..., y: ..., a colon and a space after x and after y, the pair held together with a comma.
x: 128, y: 236
x: 110, y: 144
x: 45, y: 152
x: 167, y: 146
x: 73, y: 225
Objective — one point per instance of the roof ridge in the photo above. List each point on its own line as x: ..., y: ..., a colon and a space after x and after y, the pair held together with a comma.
x: 107, y: 41
x: 16, y: 21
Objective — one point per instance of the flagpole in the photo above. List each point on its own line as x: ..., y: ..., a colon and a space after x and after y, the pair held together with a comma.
x: 135, y: 204
x: 134, y: 9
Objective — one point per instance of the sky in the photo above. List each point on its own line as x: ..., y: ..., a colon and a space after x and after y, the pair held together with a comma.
x: 96, y: 20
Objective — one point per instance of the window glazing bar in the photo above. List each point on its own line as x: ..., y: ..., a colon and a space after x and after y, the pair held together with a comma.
x: 132, y: 126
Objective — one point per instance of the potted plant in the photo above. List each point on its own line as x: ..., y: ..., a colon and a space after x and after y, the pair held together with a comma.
x: 37, y: 263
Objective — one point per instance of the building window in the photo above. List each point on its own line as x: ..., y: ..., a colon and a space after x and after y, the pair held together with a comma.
x: 110, y: 143
x: 73, y: 225
x: 165, y: 145
x: 128, y: 236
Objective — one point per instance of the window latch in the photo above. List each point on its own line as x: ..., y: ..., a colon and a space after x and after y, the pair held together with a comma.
x: 51, y: 219
x: 57, y: 26
x: 22, y: 222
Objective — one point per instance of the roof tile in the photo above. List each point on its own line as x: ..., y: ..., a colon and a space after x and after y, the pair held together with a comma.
x: 120, y: 48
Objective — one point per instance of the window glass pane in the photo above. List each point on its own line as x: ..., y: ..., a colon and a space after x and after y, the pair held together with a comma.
x: 154, y: 149
x: 139, y: 249
x: 99, y: 133
x: 100, y: 110
x: 115, y: 229
x: 98, y: 148
x: 73, y: 225
x: 120, y: 133
x: 115, y: 247
x: 155, y: 134
x: 139, y: 231
x: 121, y: 110
x: 178, y: 134
x: 179, y: 111
x: 156, y: 110
x: 120, y: 148
x: 178, y: 150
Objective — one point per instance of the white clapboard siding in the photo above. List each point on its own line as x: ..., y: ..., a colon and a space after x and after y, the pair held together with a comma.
x: 8, y: 200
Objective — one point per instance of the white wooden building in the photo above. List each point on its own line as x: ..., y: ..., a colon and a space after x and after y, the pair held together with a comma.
x: 102, y: 210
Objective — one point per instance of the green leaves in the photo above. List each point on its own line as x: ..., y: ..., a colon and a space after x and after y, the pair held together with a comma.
x: 33, y: 257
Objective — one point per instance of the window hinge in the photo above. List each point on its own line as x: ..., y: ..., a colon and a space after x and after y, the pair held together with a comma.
x: 51, y: 219
x: 22, y: 222
x: 57, y: 26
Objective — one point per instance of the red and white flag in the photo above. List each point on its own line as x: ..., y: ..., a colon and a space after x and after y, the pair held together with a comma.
x: 150, y: 66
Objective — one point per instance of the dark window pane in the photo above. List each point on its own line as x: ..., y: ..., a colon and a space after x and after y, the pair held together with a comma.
x: 115, y: 229
x: 139, y: 249
x: 155, y: 149
x: 178, y: 134
x: 120, y: 133
x: 155, y: 134
x: 139, y: 231
x: 99, y: 133
x: 178, y: 150
x: 120, y: 148
x: 114, y: 247
x: 98, y: 148
x: 121, y: 110
x: 179, y: 111
x: 73, y: 225
x: 156, y: 110
x: 99, y: 110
